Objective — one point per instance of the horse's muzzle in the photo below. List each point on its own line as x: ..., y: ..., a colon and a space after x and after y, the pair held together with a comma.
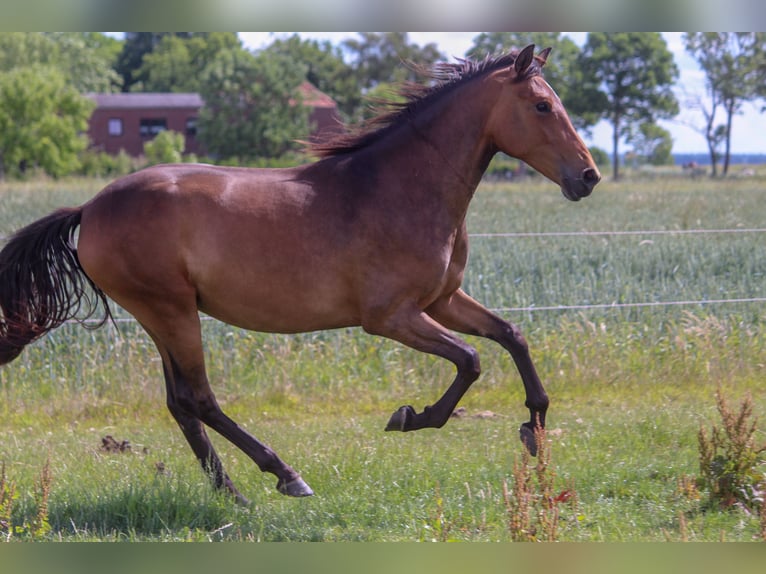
x: 574, y: 189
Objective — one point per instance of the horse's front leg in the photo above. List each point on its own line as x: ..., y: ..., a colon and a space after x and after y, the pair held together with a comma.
x: 461, y: 313
x: 417, y: 330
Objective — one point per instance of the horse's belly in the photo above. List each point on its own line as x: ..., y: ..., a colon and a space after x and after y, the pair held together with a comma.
x: 279, y: 306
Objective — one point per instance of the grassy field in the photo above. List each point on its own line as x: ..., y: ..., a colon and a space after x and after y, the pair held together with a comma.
x: 630, y: 388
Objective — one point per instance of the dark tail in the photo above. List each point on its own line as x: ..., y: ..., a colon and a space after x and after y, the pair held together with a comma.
x: 42, y: 284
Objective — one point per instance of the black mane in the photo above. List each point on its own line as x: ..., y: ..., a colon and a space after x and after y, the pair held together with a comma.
x: 443, y: 76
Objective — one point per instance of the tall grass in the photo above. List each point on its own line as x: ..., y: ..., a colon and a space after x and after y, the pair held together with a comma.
x: 630, y: 390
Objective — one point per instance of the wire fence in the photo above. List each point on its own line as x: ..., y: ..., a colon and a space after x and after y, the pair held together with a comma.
x: 629, y: 305
x: 533, y: 234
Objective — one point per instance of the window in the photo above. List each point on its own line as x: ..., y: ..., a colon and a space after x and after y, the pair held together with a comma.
x: 150, y: 127
x: 115, y: 126
x: 191, y: 127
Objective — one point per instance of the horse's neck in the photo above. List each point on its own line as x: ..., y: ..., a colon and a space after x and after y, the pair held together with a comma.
x: 445, y: 146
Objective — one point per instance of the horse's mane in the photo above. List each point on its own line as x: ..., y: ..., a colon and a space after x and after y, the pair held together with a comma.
x: 442, y: 78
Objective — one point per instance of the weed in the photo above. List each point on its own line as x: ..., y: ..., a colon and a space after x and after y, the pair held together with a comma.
x: 533, y: 510
x: 731, y: 464
x: 438, y: 523
x: 7, y: 497
x: 762, y: 524
x: 39, y: 526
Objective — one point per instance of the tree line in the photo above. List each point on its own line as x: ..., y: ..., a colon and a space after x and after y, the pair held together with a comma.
x: 250, y: 97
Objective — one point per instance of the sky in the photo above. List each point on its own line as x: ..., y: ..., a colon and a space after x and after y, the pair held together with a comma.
x: 748, y: 129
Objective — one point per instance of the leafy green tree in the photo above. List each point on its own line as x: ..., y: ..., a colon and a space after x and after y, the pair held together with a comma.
x: 325, y: 69
x: 378, y: 57
x: 86, y: 59
x: 166, y: 147
x: 135, y: 47
x: 22, y: 49
x: 653, y: 144
x: 42, y: 120
x: 735, y: 69
x: 381, y: 58
x: 106, y: 46
x: 632, y: 73
x: 176, y: 63
x: 252, y: 105
x: 167, y: 68
x: 351, y: 72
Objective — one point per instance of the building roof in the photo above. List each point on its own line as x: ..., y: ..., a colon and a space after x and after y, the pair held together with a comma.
x: 154, y: 100
x: 314, y: 97
x: 311, y: 96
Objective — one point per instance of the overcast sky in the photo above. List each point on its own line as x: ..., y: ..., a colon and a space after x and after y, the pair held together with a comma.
x: 748, y: 131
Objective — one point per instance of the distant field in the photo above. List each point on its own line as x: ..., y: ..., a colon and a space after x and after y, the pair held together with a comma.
x: 631, y: 380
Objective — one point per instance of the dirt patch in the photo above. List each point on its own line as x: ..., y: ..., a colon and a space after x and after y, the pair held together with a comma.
x: 109, y: 444
x: 462, y: 412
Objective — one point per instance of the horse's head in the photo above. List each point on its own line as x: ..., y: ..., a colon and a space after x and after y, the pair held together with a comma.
x: 530, y: 123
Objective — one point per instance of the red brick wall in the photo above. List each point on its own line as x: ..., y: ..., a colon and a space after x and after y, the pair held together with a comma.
x: 131, y: 139
x: 323, y: 120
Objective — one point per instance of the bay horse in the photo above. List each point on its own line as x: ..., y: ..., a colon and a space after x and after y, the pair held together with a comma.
x: 372, y: 234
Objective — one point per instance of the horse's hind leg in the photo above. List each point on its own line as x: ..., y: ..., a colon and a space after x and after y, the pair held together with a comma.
x: 192, y: 403
x: 196, y: 436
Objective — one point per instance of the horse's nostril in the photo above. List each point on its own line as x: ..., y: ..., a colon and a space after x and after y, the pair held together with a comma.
x: 591, y: 176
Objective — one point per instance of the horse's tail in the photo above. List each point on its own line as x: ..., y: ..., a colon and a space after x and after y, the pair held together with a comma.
x: 42, y: 283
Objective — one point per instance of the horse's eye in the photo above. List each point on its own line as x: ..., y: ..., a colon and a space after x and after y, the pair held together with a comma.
x: 543, y: 107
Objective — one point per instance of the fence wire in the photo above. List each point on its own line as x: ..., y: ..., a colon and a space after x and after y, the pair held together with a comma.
x: 533, y: 234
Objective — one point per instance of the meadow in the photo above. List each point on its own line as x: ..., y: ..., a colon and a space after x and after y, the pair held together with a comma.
x: 632, y: 379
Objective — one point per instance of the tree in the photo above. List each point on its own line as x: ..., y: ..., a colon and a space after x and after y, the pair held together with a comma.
x: 252, y: 105
x: 135, y: 47
x: 380, y: 58
x: 732, y: 62
x: 325, y: 69
x: 42, y: 120
x: 22, y: 49
x: 166, y: 147
x: 176, y: 63
x: 634, y: 72
x: 85, y: 58
x: 653, y: 144
x: 714, y: 135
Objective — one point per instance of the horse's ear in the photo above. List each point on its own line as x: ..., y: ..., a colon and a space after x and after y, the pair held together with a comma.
x: 543, y: 56
x: 524, y: 59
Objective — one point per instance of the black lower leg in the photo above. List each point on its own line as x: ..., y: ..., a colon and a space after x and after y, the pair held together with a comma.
x: 536, y: 398
x: 207, y: 457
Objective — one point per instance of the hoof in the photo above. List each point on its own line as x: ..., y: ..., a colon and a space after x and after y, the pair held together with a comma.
x: 398, y: 420
x: 240, y: 500
x: 527, y: 436
x: 296, y: 487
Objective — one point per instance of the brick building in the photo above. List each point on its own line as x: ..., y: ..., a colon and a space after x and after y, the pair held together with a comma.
x: 125, y: 121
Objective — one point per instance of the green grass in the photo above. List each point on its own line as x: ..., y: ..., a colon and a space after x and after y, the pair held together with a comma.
x: 630, y: 389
